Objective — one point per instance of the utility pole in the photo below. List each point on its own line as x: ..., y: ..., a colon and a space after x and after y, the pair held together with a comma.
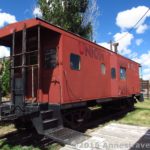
x: 116, y: 47
x: 110, y: 45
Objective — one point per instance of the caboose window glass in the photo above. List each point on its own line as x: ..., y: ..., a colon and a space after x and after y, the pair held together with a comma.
x: 113, y: 73
x: 32, y: 59
x: 50, y: 58
x: 103, y: 69
x: 75, y: 62
x: 122, y: 73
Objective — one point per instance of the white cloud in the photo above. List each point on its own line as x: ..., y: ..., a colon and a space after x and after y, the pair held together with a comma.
x: 109, y: 33
x: 144, y: 60
x: 133, y: 55
x: 139, y: 42
x: 128, y: 18
x: 37, y: 12
x: 124, y: 43
x: 142, y: 28
x: 106, y: 45
x: 4, y: 51
x: 6, y: 18
x: 146, y: 71
x: 146, y: 76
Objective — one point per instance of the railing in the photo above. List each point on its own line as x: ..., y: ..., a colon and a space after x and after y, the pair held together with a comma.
x: 145, y: 88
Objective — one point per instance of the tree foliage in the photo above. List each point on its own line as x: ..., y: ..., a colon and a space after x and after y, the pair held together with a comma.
x: 68, y: 14
x: 5, y: 77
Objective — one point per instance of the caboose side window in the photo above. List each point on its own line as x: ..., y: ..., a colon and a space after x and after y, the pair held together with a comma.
x: 32, y: 46
x: 113, y: 73
x: 103, y: 69
x: 50, y: 58
x: 74, y: 62
x: 122, y: 73
x: 32, y: 58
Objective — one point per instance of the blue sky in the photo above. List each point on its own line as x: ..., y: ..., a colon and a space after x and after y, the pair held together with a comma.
x: 109, y: 12
x: 116, y: 18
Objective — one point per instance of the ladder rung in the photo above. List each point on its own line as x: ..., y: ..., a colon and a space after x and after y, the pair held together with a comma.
x: 16, y: 67
x: 35, y: 65
x: 31, y: 52
x: 17, y: 54
x: 30, y: 66
x: 25, y: 53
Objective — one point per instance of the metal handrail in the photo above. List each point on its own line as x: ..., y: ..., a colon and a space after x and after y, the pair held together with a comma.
x: 25, y: 66
x: 25, y: 53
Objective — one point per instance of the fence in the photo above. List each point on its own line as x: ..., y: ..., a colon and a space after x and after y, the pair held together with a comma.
x: 145, y: 88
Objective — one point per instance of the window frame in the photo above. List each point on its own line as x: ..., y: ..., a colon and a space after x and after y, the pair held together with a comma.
x: 33, y: 58
x: 123, y: 76
x: 103, y: 70
x: 78, y: 68
x: 49, y: 56
x: 113, y: 73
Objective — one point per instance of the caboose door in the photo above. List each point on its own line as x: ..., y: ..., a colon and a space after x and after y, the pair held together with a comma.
x: 18, y: 93
x: 114, y: 75
x: 49, y: 62
x: 122, y: 79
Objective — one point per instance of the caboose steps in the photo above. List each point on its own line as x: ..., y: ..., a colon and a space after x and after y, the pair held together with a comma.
x: 43, y: 106
x: 49, y: 124
x: 46, y: 120
x: 67, y: 136
x: 46, y: 114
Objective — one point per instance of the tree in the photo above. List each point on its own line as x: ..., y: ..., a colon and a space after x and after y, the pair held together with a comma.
x: 0, y: 80
x: 68, y: 14
x: 5, y: 77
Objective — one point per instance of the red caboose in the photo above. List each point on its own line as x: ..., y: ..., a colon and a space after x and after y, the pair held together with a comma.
x: 54, y: 70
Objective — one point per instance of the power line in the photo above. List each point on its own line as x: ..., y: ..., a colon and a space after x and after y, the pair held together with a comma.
x: 134, y: 26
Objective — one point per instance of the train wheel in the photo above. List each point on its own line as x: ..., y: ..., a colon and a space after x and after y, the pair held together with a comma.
x: 130, y: 104
x: 75, y: 118
x: 22, y: 124
x: 119, y: 105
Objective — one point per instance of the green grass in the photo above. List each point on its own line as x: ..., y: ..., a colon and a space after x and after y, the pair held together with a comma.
x: 140, y: 116
x: 18, y: 147
x: 4, y: 146
x: 14, y: 143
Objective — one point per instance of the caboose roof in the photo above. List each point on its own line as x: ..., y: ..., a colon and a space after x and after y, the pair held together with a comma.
x: 19, y: 26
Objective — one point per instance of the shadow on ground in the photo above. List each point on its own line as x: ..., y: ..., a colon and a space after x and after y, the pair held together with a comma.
x: 25, y: 138
x: 31, y: 138
x: 100, y: 117
x: 143, y: 143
